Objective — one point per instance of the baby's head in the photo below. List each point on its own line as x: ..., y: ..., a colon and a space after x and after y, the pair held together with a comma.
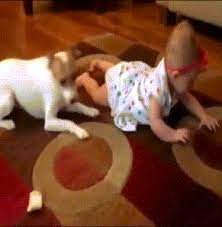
x: 184, y: 59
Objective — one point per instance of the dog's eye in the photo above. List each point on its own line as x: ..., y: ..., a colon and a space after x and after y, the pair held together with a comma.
x: 63, y: 82
x: 72, y: 100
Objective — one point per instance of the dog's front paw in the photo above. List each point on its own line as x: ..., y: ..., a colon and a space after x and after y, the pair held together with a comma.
x: 82, y: 134
x: 93, y: 112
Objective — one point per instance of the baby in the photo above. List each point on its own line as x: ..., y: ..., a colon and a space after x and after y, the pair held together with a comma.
x: 139, y: 94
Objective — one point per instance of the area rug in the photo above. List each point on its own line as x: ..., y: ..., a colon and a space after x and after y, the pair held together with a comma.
x: 80, y: 199
x: 13, y: 195
x: 201, y: 159
x: 158, y: 191
x: 165, y: 194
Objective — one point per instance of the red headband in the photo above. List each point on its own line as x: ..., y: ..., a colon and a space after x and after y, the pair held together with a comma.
x: 201, y: 63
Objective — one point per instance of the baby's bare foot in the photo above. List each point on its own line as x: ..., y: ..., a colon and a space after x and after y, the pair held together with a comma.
x: 80, y: 79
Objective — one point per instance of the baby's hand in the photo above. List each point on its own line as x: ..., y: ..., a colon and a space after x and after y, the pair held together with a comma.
x: 182, y: 135
x: 94, y: 65
x: 210, y: 122
x: 101, y: 65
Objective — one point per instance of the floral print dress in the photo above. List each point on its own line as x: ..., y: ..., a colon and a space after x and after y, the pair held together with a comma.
x: 130, y: 86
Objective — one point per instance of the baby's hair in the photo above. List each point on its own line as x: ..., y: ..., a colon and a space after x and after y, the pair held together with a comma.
x: 182, y: 48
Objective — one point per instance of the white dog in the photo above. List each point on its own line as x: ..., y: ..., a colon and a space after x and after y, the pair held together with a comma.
x: 33, y: 85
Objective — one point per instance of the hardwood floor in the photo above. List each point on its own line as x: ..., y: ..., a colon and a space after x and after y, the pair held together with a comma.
x: 23, y: 36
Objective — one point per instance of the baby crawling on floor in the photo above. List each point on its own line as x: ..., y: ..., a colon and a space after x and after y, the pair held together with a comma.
x: 139, y: 94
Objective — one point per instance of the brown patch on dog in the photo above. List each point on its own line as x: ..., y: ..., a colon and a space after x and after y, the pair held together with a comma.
x: 63, y: 71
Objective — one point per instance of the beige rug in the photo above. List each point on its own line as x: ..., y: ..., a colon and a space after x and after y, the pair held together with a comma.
x: 66, y: 202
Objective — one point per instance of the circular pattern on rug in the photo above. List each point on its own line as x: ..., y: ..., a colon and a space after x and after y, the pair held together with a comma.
x: 65, y: 201
x: 197, y: 159
x: 208, y: 147
x: 74, y: 167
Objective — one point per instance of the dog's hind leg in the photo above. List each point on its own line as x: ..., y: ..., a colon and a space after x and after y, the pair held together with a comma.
x: 7, y: 102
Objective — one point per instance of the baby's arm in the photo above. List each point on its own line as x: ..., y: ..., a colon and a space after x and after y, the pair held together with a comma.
x: 196, y: 109
x: 100, y: 65
x: 161, y: 129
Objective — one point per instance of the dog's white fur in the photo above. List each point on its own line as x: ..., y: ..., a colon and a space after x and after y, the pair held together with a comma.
x: 32, y: 85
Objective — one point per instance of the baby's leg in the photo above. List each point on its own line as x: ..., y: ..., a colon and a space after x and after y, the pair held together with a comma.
x: 97, y: 93
x: 6, y: 106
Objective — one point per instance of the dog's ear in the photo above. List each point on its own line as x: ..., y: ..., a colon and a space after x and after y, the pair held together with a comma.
x: 56, y: 66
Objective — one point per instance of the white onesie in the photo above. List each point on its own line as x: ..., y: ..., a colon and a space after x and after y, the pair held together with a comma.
x: 130, y: 86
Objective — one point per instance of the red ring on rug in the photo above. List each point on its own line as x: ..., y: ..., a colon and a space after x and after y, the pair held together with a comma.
x: 75, y: 170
